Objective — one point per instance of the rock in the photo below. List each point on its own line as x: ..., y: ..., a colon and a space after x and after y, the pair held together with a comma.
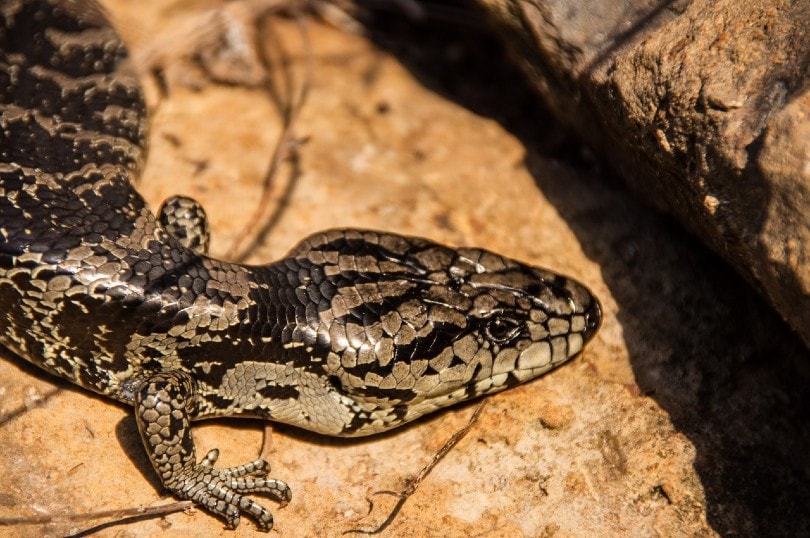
x: 701, y: 107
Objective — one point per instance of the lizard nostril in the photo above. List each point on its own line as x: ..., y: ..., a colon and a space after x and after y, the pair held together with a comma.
x: 593, y: 318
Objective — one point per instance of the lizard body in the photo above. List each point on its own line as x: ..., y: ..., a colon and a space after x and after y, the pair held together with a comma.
x: 354, y: 332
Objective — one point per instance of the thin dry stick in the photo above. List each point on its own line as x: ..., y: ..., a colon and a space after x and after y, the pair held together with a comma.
x: 150, y: 511
x: 412, y: 484
x: 25, y: 408
x: 259, y: 223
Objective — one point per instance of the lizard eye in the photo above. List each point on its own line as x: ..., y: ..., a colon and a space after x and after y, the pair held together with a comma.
x: 501, y: 330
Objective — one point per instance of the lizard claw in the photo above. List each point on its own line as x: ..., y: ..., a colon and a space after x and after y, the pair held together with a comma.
x: 222, y: 491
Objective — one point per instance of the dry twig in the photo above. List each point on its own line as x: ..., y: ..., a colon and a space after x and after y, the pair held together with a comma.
x: 412, y: 484
x: 119, y: 517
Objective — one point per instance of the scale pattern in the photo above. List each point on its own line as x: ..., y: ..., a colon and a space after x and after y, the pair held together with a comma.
x: 355, y: 332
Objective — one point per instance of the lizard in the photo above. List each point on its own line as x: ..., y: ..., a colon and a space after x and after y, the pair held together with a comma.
x: 353, y: 333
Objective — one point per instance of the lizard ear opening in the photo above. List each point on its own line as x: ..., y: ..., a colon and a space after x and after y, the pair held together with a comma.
x: 335, y: 383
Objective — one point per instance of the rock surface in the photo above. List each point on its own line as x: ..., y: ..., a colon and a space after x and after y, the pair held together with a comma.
x: 702, y: 106
x: 688, y: 415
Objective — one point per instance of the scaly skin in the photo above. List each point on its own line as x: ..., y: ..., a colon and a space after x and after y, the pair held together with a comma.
x: 353, y: 333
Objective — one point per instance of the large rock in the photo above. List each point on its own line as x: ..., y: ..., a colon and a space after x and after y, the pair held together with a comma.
x: 701, y: 106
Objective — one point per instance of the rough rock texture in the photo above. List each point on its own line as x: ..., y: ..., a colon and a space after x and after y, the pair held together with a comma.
x: 688, y: 415
x: 702, y: 106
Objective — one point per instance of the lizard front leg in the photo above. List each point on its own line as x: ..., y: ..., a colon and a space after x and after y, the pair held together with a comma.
x: 162, y: 410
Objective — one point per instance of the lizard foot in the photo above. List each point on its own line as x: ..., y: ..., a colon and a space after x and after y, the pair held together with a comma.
x: 222, y: 491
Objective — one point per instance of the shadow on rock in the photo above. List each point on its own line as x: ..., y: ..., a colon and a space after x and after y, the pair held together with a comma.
x: 731, y: 375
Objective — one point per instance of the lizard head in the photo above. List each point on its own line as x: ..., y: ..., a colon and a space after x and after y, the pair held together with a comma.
x: 403, y: 326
